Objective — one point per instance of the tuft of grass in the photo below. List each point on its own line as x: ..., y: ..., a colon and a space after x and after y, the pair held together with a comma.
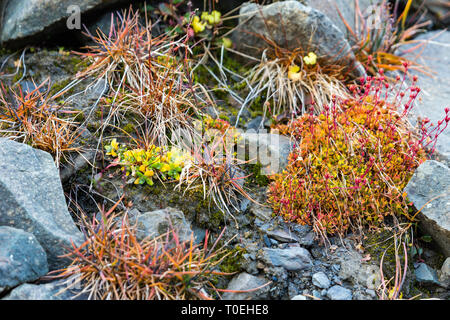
x: 376, y: 45
x: 36, y: 119
x: 112, y: 264
x: 148, y: 78
x: 294, y: 82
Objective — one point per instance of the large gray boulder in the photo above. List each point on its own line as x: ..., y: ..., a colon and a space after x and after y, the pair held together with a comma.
x: 22, y: 19
x: 292, y: 25
x: 22, y: 258
x: 435, y: 90
x: 429, y: 191
x: 32, y: 199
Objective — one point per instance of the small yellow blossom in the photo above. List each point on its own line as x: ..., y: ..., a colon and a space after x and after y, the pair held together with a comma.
x: 197, y: 25
x: 227, y: 43
x: 310, y: 59
x: 293, y: 73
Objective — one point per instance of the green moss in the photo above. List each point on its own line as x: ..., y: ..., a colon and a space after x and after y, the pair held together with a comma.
x: 60, y: 85
x: 80, y: 117
x: 129, y: 128
x: 376, y: 243
x: 233, y: 262
x: 257, y: 177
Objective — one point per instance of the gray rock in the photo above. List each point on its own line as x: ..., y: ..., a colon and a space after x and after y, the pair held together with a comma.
x: 317, y: 294
x: 425, y: 274
x: 291, y: 259
x: 339, y: 293
x: 444, y: 277
x: 22, y: 258
x: 263, y: 213
x: 321, y: 280
x: 308, y: 239
x: 332, y: 8
x: 354, y: 269
x: 255, y: 124
x: 435, y: 91
x: 155, y: 223
x: 439, y: 10
x: 282, y: 236
x: 23, y: 19
x: 429, y: 190
x: 292, y: 25
x: 56, y: 290
x: 33, y: 200
x: 299, y: 297
x: 270, y: 150
x: 245, y: 281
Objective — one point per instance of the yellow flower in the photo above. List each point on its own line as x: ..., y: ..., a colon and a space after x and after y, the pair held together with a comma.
x: 293, y: 73
x: 227, y: 43
x: 165, y: 167
x: 197, y: 25
x: 311, y: 58
x: 142, y: 168
x: 114, y: 144
x: 215, y: 17
x: 149, y: 173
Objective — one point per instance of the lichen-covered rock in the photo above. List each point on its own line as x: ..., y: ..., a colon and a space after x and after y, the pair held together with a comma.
x: 32, y: 199
x: 429, y: 191
x: 292, y: 25
x: 22, y: 258
x: 354, y: 269
x: 246, y: 282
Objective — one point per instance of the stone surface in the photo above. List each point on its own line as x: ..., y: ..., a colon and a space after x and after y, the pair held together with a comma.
x: 425, y: 274
x: 435, y: 91
x: 270, y: 150
x: 33, y: 200
x: 444, y: 277
x: 22, y: 258
x: 49, y: 291
x: 158, y: 222
x: 23, y: 19
x: 339, y: 293
x: 332, y: 8
x: 429, y: 190
x: 282, y: 236
x: 291, y: 259
x: 321, y: 280
x: 353, y: 268
x: 262, y: 213
x: 292, y: 25
x: 245, y: 281
x: 299, y: 297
